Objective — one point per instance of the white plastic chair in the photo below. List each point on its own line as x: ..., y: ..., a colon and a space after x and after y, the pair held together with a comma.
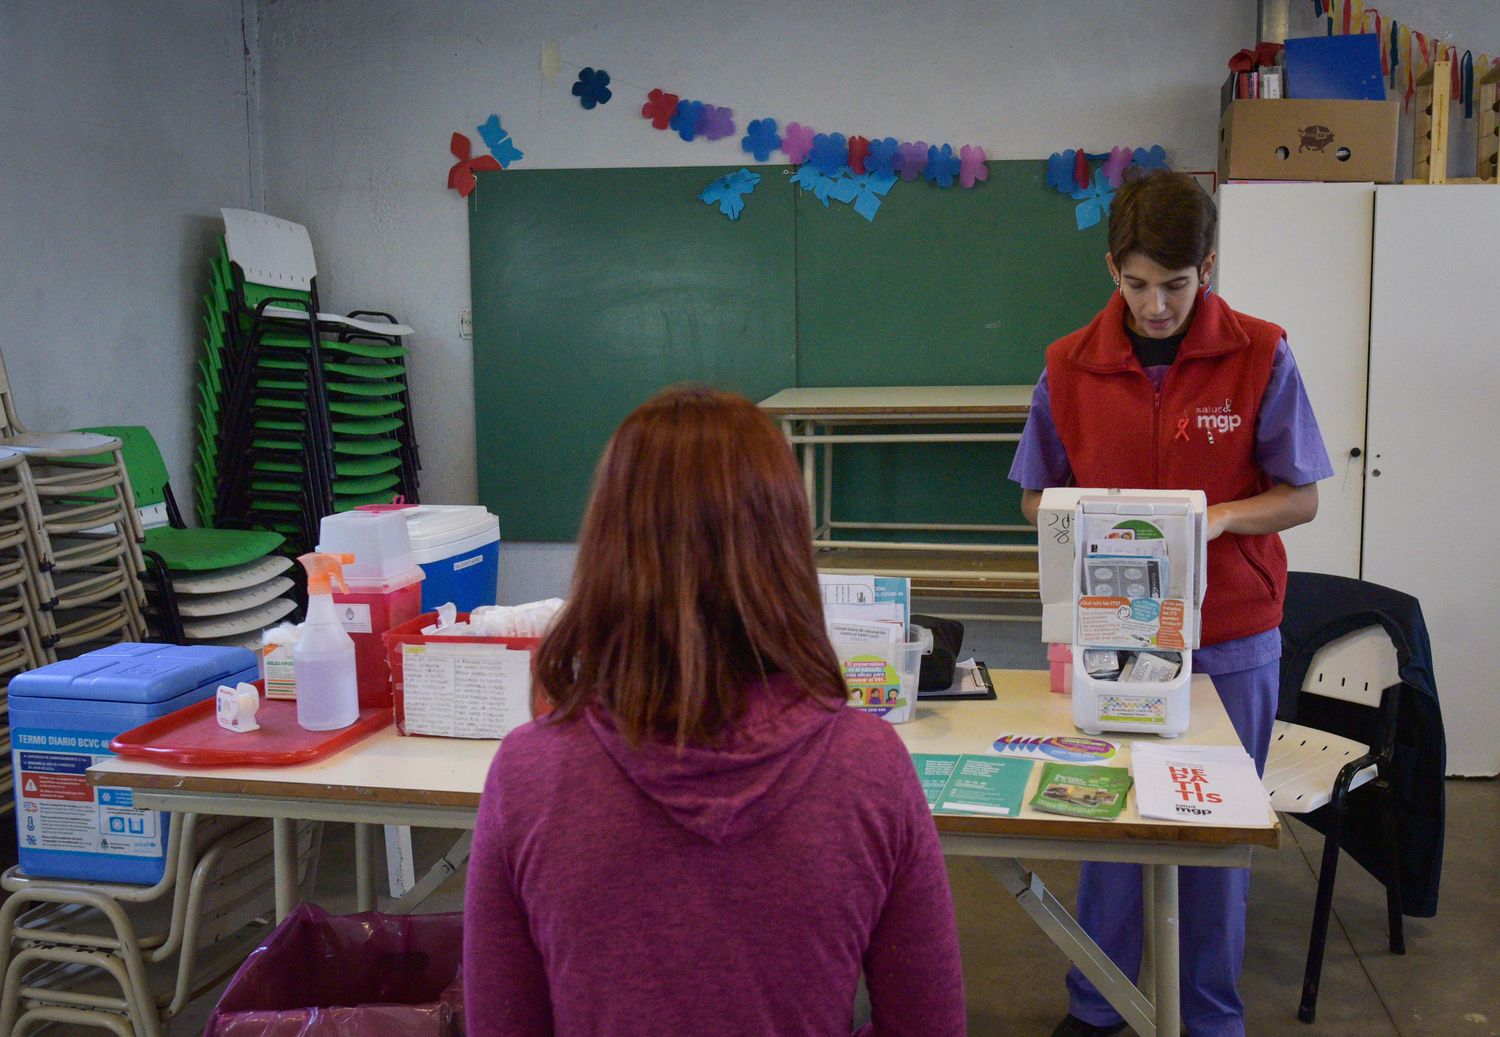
x: 1309, y: 768
x: 278, y: 253
x: 60, y: 939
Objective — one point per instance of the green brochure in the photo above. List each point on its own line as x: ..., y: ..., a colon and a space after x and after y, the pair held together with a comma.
x: 984, y: 785
x: 934, y: 770
x: 1082, y: 791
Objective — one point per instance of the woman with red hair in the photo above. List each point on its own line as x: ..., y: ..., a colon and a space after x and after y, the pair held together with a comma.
x: 700, y: 838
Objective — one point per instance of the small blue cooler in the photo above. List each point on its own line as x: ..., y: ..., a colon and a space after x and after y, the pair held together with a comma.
x: 62, y: 718
x: 458, y: 548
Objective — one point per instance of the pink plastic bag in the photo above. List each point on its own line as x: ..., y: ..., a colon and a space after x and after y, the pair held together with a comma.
x: 367, y: 975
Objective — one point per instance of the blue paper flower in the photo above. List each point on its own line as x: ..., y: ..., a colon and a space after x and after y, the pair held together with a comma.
x: 1094, y: 202
x: 498, y: 141
x: 830, y: 153
x: 592, y: 87
x: 686, y: 119
x: 728, y: 192
x: 942, y: 165
x: 883, y: 155
x: 1154, y: 157
x: 1060, y: 171
x: 761, y: 139
x: 864, y: 190
x: 809, y: 178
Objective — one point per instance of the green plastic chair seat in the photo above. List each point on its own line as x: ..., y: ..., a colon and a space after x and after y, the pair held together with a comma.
x: 374, y: 387
x: 364, y: 487
x: 365, y: 447
x: 368, y: 427
x: 376, y: 370
x: 200, y: 550
x: 366, y: 408
x: 363, y: 466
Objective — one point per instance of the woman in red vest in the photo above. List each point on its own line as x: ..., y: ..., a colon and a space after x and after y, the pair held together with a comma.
x: 1169, y: 388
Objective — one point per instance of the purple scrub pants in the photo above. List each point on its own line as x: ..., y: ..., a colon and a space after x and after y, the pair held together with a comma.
x: 1211, y: 901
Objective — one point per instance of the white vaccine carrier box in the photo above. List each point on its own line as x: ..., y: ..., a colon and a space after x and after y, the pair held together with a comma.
x: 1139, y: 562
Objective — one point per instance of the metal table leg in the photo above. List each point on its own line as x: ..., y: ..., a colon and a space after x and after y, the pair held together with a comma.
x: 1164, y: 924
x: 364, y: 868
x: 284, y: 849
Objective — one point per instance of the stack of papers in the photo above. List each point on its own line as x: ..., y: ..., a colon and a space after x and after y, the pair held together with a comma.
x: 1207, y: 784
x: 965, y: 784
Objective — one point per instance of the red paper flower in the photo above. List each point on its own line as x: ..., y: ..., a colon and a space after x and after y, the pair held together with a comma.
x: 461, y: 176
x: 859, y: 147
x: 659, y: 107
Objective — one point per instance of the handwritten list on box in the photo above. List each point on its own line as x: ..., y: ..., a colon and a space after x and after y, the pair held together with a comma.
x: 465, y: 690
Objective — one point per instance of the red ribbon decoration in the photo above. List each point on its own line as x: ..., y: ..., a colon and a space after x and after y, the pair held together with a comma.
x: 1182, y: 424
x: 1081, y: 175
x: 461, y: 176
x: 859, y: 150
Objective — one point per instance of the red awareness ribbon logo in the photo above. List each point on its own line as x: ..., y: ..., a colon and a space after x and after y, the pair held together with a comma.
x: 1182, y: 426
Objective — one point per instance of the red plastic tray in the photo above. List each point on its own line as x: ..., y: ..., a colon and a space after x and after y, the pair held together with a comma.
x: 192, y: 737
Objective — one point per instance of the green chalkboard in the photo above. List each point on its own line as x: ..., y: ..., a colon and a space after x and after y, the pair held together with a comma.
x: 944, y: 287
x: 593, y: 288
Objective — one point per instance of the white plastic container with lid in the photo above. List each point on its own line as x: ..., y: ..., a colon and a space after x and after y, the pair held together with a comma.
x: 458, y: 548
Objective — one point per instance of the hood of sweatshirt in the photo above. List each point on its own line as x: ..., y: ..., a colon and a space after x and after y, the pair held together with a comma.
x: 731, y: 790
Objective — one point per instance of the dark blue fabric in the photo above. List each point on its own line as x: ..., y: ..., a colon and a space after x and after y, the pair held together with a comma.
x: 1320, y: 609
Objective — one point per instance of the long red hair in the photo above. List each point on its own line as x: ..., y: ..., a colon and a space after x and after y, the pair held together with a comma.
x: 695, y: 578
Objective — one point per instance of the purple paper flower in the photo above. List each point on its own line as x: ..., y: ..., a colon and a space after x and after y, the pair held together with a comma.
x: 797, y: 142
x: 830, y: 153
x: 1114, y: 167
x: 912, y: 160
x: 592, y: 87
x: 942, y: 165
x: 686, y: 118
x: 883, y: 156
x: 971, y: 165
x: 716, y: 122
x: 761, y: 139
x: 1060, y: 171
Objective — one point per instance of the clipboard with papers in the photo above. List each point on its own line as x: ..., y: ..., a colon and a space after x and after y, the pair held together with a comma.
x: 971, y: 681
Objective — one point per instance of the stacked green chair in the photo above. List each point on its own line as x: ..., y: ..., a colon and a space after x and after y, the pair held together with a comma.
x: 204, y: 586
x: 301, y: 413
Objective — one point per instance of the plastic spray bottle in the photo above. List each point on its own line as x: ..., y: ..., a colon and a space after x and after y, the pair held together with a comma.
x: 327, y: 688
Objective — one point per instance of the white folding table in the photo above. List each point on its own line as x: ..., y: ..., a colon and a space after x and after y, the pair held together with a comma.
x: 435, y: 782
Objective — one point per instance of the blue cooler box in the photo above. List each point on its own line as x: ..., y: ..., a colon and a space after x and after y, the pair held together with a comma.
x: 458, y: 548
x: 62, y: 718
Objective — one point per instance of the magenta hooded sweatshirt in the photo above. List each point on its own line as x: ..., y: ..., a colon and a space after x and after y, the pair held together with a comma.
x: 617, y: 891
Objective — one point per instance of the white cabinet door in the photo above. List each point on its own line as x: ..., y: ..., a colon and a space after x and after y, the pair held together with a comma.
x: 1432, y: 494
x: 1299, y: 255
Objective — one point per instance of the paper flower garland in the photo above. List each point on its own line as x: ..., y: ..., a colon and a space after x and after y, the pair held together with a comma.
x: 1096, y: 199
x: 686, y: 118
x: 592, y: 87
x: 1070, y: 173
x: 461, y: 175
x: 660, y: 106
x: 830, y: 153
x: 728, y: 192
x: 859, y: 147
x: 498, y: 141
x: 761, y: 139
x: 883, y: 156
x: 911, y: 160
x: 797, y: 143
x: 971, y: 167
x: 716, y: 123
x: 864, y: 191
x: 942, y: 165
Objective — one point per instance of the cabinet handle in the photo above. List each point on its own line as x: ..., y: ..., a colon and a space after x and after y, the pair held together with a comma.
x: 1356, y: 452
x: 1375, y: 472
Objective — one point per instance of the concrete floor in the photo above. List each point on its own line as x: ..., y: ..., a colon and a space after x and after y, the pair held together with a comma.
x: 1447, y: 984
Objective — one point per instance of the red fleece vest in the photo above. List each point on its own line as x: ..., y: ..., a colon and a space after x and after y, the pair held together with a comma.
x: 1197, y: 433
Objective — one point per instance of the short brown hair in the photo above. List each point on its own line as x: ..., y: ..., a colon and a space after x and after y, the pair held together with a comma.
x: 1167, y: 217
x: 695, y: 577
